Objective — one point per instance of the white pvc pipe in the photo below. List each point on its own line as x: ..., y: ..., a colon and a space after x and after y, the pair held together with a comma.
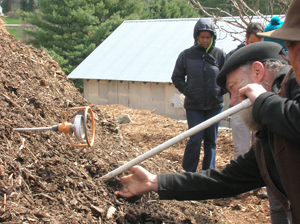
x: 33, y: 129
x: 243, y: 105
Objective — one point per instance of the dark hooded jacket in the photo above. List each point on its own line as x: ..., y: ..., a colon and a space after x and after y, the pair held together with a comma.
x: 196, y: 70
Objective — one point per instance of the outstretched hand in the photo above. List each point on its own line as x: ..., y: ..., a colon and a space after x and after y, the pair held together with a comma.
x: 251, y: 91
x: 137, y: 183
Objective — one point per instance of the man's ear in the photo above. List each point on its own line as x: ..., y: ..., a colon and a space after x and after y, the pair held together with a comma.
x: 258, y: 71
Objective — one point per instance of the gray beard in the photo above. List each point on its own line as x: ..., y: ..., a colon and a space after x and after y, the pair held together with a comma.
x: 247, y: 118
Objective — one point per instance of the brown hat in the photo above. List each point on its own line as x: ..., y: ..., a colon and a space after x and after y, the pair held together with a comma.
x: 290, y: 30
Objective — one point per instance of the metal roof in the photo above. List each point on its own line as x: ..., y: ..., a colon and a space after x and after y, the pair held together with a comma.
x: 146, y: 50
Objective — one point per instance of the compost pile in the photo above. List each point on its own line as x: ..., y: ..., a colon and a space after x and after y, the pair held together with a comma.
x: 43, y: 179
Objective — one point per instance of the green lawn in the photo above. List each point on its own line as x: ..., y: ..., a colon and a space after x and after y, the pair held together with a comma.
x: 12, y: 21
x: 17, y: 33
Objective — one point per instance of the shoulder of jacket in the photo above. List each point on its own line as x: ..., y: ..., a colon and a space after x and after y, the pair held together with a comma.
x: 189, y: 49
x: 183, y: 53
x: 232, y: 51
x: 217, y: 52
x: 236, y: 49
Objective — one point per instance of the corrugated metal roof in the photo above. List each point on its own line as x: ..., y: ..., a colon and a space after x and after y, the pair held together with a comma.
x: 146, y: 50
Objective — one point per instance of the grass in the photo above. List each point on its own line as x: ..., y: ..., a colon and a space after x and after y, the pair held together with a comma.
x: 11, y: 20
x: 17, y: 33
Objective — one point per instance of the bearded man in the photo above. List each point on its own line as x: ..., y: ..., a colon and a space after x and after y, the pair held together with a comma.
x: 272, y: 161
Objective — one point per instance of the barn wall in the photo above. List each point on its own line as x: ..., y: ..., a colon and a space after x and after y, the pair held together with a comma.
x: 134, y: 91
x: 138, y: 95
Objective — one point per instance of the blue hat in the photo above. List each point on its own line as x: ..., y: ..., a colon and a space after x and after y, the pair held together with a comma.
x: 290, y: 29
x: 274, y: 24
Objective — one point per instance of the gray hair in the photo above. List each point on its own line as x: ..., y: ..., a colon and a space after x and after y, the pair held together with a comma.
x: 273, y: 67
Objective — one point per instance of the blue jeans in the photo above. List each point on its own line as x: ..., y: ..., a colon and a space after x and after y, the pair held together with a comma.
x: 193, y: 146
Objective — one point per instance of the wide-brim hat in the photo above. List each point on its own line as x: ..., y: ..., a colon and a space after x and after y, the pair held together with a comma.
x: 259, y: 51
x: 290, y: 30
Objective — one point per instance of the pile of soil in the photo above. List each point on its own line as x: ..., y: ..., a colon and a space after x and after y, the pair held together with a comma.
x: 43, y: 179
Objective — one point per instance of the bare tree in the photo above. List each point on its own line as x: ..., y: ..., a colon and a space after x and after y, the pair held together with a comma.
x: 245, y: 13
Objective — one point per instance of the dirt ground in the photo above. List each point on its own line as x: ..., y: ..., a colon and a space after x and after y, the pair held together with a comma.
x: 43, y: 179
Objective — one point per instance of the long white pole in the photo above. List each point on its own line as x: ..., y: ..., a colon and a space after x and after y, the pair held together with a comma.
x: 243, y: 105
x: 33, y: 129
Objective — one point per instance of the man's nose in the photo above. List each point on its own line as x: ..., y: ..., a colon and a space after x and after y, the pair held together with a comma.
x: 232, y: 100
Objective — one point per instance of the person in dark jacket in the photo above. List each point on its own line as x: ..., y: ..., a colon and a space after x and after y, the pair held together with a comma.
x: 195, y: 75
x: 250, y: 37
x: 272, y: 161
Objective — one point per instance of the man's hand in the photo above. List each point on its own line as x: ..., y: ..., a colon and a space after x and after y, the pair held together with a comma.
x: 251, y: 91
x: 137, y: 183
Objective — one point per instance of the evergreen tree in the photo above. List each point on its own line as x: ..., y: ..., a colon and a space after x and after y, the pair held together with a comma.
x: 224, y: 5
x: 6, y: 6
x: 24, y: 5
x: 164, y: 9
x: 27, y: 6
x: 69, y: 30
x: 31, y: 5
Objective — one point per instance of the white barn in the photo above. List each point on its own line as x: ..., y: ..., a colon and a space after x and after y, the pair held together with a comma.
x: 134, y: 65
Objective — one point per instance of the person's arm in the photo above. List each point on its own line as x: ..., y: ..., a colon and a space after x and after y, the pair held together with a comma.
x: 281, y: 115
x: 240, y: 176
x: 179, y: 74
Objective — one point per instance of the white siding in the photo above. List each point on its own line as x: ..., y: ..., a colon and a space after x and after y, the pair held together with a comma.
x: 137, y: 95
